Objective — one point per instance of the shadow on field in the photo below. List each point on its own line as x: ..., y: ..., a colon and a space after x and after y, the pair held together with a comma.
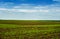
x: 28, y: 33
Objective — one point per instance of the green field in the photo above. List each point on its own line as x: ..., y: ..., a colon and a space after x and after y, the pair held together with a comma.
x: 29, y: 29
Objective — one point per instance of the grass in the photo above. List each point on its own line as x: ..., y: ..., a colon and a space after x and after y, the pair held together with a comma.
x: 10, y: 29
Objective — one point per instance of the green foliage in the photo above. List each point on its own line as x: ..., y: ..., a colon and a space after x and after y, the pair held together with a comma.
x: 12, y: 30
x: 30, y: 22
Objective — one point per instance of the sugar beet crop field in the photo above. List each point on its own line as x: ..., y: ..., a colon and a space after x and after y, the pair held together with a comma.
x: 29, y: 29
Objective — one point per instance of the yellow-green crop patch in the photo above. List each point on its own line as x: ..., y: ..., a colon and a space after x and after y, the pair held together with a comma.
x: 18, y: 31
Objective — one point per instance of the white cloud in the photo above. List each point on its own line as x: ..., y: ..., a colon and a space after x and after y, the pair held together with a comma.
x: 31, y: 12
x: 3, y: 9
x: 24, y: 10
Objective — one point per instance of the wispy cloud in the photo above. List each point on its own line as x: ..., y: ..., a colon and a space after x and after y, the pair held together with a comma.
x: 24, y: 10
x: 32, y: 9
x: 29, y: 11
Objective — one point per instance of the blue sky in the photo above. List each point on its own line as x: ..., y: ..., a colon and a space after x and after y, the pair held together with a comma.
x: 30, y: 9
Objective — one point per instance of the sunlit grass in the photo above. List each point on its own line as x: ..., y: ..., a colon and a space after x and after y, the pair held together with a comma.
x: 17, y: 31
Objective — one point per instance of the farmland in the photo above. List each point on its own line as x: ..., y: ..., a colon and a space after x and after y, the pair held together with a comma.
x: 29, y: 29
